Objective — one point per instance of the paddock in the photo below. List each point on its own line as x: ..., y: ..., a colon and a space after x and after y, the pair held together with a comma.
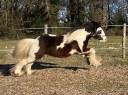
x: 69, y: 76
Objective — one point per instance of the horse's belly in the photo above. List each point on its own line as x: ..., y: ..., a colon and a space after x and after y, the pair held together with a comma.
x: 59, y: 53
x: 60, y: 56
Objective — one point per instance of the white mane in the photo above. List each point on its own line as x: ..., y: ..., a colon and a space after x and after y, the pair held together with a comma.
x: 79, y: 35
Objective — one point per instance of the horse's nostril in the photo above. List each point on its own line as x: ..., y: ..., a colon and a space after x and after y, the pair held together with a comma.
x: 105, y: 39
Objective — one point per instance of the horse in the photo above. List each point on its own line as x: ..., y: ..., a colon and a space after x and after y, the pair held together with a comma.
x: 29, y: 50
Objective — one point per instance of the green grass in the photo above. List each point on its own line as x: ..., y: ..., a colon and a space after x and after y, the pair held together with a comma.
x: 7, y: 44
x: 110, y: 56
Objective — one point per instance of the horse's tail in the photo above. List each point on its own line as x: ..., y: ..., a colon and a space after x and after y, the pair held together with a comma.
x: 22, y: 48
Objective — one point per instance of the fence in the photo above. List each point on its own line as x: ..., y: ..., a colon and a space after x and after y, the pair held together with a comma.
x: 45, y: 28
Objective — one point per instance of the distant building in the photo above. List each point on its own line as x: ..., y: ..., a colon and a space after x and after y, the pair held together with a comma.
x: 62, y: 15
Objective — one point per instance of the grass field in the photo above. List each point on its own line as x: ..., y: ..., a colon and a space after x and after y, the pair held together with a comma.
x: 70, y: 76
x: 107, y: 50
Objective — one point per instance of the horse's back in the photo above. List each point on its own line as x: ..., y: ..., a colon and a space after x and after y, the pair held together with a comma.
x: 50, y: 40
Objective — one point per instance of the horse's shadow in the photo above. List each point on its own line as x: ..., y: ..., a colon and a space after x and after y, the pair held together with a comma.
x: 5, y: 68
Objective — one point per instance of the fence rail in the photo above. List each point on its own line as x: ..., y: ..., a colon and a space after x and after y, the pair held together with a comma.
x: 6, y: 50
x: 45, y: 28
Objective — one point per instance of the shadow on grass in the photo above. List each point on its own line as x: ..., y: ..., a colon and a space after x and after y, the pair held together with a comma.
x: 5, y: 68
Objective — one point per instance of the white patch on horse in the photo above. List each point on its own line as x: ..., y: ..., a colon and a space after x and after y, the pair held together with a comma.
x: 34, y: 48
x: 65, y: 37
x: 52, y: 35
x: 73, y: 51
x: 102, y: 34
x: 78, y: 35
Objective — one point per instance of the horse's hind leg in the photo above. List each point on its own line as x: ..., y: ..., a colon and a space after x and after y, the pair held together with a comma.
x: 27, y: 62
x: 17, y: 70
x: 85, y: 56
x: 20, y: 68
x: 23, y: 66
x: 32, y: 56
x: 28, y: 69
x: 30, y: 61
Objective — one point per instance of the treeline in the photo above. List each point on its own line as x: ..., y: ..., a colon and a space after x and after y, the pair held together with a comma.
x: 15, y: 14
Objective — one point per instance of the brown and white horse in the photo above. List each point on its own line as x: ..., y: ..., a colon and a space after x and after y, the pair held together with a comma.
x: 29, y: 50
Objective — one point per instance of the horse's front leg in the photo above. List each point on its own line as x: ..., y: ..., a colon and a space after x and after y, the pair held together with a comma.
x: 85, y: 55
x: 83, y: 48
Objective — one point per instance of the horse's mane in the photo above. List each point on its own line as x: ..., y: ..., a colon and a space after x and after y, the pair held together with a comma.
x: 91, y: 26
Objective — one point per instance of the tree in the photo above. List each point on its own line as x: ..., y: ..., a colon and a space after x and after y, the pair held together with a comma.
x: 99, y: 11
x: 76, y: 11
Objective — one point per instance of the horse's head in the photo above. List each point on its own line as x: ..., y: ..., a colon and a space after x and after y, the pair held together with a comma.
x: 96, y: 30
x: 100, y: 34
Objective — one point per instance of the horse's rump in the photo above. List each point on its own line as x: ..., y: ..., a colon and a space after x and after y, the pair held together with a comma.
x: 22, y: 48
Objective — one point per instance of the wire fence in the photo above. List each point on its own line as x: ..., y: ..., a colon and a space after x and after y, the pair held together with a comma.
x: 122, y: 46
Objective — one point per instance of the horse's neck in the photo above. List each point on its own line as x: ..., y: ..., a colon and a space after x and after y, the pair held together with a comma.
x: 67, y: 35
x: 86, y: 42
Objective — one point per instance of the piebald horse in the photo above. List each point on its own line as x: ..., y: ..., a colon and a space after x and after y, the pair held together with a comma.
x: 29, y: 50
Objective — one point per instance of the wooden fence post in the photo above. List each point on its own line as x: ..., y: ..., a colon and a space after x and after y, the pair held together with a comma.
x: 46, y: 29
x: 124, y: 41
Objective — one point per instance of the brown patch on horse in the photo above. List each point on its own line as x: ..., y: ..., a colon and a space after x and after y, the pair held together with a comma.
x: 63, y: 52
x: 45, y: 42
x: 48, y: 45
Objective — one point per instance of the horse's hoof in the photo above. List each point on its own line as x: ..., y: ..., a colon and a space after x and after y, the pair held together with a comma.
x: 30, y: 72
x: 13, y: 73
x: 16, y: 74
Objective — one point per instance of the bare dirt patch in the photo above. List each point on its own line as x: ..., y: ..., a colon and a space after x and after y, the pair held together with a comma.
x: 68, y: 76
x: 55, y: 79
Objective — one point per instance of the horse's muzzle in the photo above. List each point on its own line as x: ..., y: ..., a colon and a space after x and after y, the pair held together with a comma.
x: 104, y: 39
